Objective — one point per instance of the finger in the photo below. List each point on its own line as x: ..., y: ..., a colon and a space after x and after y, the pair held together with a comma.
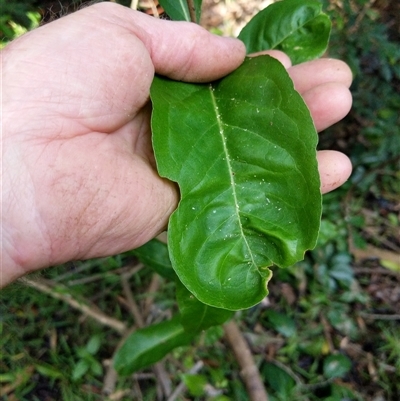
x: 328, y: 103
x: 334, y: 169
x: 308, y: 75
x: 179, y: 50
x: 277, y: 54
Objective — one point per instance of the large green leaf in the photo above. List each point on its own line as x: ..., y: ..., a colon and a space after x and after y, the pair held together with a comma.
x: 149, y: 345
x: 178, y: 10
x: 155, y: 255
x: 243, y: 151
x: 197, y: 316
x: 297, y: 27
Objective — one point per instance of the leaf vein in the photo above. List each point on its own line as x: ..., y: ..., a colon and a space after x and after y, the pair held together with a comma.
x: 231, y: 176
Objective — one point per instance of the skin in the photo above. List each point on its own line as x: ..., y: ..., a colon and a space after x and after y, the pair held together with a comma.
x: 79, y: 179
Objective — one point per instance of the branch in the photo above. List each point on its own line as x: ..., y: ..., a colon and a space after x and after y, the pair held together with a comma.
x: 150, y: 292
x: 130, y: 269
x: 181, y: 386
x: 248, y: 368
x: 158, y: 367
x: 377, y: 316
x: 192, y: 10
x: 50, y: 288
x: 134, y: 4
x: 376, y: 270
x: 134, y: 309
x: 287, y: 370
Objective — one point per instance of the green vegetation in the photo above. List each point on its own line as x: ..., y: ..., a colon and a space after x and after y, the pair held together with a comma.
x: 330, y: 328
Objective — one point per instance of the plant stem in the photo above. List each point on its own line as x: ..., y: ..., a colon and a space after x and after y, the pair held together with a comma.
x: 192, y: 10
x: 158, y: 368
x: 376, y: 316
x: 134, y: 4
x: 248, y: 369
x: 182, y: 387
x: 49, y: 287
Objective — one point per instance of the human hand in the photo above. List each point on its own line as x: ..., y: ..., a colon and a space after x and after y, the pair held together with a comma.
x: 79, y: 174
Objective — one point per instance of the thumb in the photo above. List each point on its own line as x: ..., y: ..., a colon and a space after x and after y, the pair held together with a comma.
x: 180, y: 50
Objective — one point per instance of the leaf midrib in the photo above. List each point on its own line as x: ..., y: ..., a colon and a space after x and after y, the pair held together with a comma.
x: 295, y: 30
x: 228, y: 162
x: 185, y: 11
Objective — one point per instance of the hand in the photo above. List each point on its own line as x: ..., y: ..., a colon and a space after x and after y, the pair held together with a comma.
x: 79, y: 174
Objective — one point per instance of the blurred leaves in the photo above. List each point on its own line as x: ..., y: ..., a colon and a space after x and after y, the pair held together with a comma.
x: 336, y: 366
x: 150, y: 344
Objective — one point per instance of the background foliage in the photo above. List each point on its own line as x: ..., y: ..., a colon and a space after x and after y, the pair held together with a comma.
x: 329, y: 329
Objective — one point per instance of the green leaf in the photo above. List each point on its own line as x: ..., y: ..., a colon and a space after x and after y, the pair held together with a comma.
x: 155, y: 255
x: 178, y: 10
x: 80, y: 369
x: 149, y: 345
x: 197, y: 316
x: 243, y: 151
x: 279, y: 380
x: 336, y: 366
x: 93, y: 345
x: 96, y: 368
x: 297, y: 27
x: 195, y: 383
x: 281, y: 323
x: 49, y: 370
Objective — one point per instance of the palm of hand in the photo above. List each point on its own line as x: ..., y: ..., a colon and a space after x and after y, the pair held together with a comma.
x: 88, y: 145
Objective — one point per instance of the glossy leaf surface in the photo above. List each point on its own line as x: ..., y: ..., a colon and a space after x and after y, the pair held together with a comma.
x: 243, y: 151
x: 149, y: 345
x: 178, y: 10
x: 197, y: 316
x: 297, y: 27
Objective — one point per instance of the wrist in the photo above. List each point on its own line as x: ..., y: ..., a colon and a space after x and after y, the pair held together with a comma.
x: 21, y: 240
x: 11, y: 263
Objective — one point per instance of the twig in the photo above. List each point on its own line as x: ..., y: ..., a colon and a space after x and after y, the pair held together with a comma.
x: 355, y: 352
x: 248, y: 368
x: 376, y: 270
x: 360, y: 17
x: 118, y: 395
x: 134, y: 309
x: 110, y: 380
x: 163, y: 378
x: 154, y: 9
x: 143, y: 376
x: 138, y: 391
x: 371, y: 367
x: 316, y: 386
x: 100, y: 276
x: 181, y: 386
x: 151, y: 290
x: 158, y: 368
x: 134, y: 4
x: 192, y: 10
x: 50, y: 288
x: 289, y: 371
x: 75, y: 270
x: 377, y: 316
x: 327, y: 332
